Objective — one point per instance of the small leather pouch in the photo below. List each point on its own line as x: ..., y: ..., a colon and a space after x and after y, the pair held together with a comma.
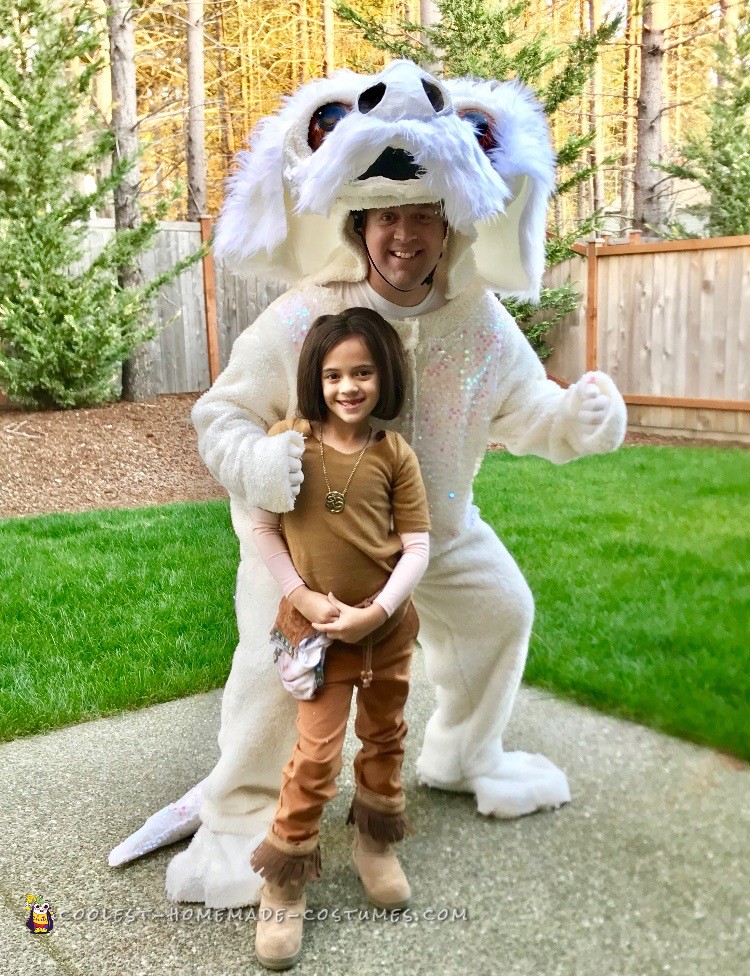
x: 299, y: 652
x: 299, y: 649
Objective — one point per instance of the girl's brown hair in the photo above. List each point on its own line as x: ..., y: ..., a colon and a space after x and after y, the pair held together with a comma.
x: 326, y: 332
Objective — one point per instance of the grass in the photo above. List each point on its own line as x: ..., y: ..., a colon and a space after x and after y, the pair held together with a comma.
x: 639, y: 561
x: 111, y: 610
x: 640, y: 565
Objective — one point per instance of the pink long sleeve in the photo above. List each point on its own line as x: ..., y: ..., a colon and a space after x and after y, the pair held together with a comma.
x: 408, y: 571
x: 273, y: 550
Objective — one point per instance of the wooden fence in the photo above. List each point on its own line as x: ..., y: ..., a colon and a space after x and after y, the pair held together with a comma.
x: 670, y: 322
x: 201, y: 313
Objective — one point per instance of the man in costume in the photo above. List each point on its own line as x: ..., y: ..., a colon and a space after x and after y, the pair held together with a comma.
x: 411, y: 196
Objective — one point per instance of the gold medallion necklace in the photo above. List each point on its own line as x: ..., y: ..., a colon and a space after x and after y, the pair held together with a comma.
x: 335, y: 499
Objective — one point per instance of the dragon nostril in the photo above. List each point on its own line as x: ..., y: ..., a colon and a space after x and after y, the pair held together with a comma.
x: 434, y: 94
x: 370, y: 98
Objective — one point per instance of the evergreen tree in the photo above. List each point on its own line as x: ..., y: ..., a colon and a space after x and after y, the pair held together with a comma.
x: 63, y: 334
x: 719, y: 159
x: 480, y: 38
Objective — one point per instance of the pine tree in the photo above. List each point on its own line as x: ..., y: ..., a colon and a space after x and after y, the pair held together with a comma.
x: 63, y: 333
x: 719, y: 159
x: 480, y: 38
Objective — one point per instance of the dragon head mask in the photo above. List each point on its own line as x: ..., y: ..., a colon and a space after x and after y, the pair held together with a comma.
x: 353, y: 142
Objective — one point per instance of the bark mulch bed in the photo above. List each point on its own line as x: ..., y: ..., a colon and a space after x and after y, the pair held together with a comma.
x: 120, y: 456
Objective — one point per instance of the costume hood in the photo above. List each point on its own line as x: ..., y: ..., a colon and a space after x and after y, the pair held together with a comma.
x: 354, y: 142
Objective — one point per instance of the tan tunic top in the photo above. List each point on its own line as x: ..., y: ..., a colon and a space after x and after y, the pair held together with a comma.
x: 352, y: 553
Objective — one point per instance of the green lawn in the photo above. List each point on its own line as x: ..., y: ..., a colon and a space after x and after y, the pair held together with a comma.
x: 640, y: 565
x: 111, y: 610
x: 639, y: 561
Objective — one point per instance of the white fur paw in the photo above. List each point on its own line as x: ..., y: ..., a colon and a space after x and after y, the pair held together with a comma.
x: 521, y: 784
x: 215, y: 869
x: 460, y: 786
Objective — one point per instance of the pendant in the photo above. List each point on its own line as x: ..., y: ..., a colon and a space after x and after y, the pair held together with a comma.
x: 334, y: 502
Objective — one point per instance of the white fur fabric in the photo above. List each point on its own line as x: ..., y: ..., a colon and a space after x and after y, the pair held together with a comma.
x: 259, y: 468
x: 215, y: 870
x: 525, y: 782
x: 472, y: 587
x: 281, y: 183
x: 476, y: 613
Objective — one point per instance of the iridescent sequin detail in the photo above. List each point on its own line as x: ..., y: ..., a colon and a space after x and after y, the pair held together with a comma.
x: 175, y: 822
x: 456, y: 401
x: 299, y: 309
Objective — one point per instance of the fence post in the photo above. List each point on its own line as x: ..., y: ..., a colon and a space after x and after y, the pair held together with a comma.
x: 592, y: 307
x: 209, y: 298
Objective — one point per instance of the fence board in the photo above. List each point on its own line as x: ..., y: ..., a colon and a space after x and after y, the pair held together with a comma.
x: 673, y: 321
x: 568, y: 338
x: 610, y: 348
x: 743, y: 340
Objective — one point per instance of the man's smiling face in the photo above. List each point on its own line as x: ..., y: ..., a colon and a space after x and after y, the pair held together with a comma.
x: 405, y: 243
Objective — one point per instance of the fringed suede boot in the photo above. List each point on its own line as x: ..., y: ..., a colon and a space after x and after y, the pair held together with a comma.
x: 286, y: 867
x: 381, y: 874
x: 378, y: 821
x: 278, y: 937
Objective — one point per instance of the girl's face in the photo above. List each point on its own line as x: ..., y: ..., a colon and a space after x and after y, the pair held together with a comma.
x: 351, y: 387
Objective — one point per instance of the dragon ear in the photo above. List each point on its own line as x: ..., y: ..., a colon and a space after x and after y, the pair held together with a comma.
x: 510, y: 248
x: 258, y: 231
x: 253, y: 218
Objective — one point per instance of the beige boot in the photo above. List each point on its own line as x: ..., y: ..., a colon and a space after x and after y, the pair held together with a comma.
x: 278, y: 937
x: 383, y: 879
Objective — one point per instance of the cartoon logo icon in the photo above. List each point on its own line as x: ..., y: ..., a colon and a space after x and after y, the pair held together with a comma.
x: 39, y: 915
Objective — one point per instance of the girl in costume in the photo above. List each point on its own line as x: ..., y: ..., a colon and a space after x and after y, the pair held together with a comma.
x: 348, y: 558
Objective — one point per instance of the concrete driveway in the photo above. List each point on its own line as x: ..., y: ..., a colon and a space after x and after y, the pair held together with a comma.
x: 644, y: 873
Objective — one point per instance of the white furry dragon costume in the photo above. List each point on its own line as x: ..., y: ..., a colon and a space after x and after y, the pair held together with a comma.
x: 482, y: 149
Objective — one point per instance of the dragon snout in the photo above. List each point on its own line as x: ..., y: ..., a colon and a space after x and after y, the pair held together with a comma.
x: 403, y: 98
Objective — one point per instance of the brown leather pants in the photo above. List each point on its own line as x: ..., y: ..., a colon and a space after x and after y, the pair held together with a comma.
x: 309, y: 778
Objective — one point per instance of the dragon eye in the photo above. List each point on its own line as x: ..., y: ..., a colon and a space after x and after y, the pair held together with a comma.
x: 482, y: 125
x: 324, y: 120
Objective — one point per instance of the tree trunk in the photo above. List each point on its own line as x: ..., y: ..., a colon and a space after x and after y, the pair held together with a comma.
x: 124, y: 117
x: 629, y: 88
x: 103, y: 103
x: 648, y: 198
x: 730, y: 16
x: 596, y: 112
x: 556, y: 199
x: 225, y: 117
x: 328, y: 37
x: 138, y: 381
x: 196, y: 134
x: 583, y: 186
x: 429, y: 15
x: 303, y: 34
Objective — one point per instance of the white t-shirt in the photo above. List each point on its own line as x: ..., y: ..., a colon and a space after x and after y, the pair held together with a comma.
x: 361, y: 294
